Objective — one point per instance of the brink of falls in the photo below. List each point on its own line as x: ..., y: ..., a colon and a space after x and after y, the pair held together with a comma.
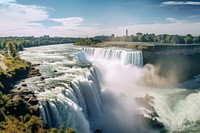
x: 96, y: 88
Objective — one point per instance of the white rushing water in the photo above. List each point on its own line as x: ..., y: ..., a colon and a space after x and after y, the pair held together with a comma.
x: 95, y: 88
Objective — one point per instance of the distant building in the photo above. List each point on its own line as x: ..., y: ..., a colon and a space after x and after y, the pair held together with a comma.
x: 112, y: 35
x: 126, y: 32
x: 45, y: 36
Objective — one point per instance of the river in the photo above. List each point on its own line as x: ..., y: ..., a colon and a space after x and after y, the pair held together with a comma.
x: 97, y: 88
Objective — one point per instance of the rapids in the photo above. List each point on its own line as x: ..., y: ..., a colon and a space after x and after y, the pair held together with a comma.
x: 95, y: 88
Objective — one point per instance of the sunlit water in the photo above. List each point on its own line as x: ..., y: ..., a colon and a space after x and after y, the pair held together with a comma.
x: 89, y: 89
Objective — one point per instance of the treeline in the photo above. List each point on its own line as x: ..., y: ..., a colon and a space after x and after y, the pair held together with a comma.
x: 164, y: 38
x: 87, y: 42
x: 32, y: 41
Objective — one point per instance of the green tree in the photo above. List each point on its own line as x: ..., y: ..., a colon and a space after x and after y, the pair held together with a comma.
x: 141, y: 38
x: 176, y: 39
x: 188, y: 39
x: 70, y: 130
x: 17, y: 107
x: 11, y: 47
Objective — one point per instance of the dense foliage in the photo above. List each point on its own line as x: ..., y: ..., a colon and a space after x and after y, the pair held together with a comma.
x: 31, y: 41
x: 16, y: 67
x: 16, y: 116
x: 87, y: 42
x: 164, y: 38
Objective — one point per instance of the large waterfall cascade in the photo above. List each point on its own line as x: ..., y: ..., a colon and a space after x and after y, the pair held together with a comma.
x: 95, y: 88
x: 125, y: 57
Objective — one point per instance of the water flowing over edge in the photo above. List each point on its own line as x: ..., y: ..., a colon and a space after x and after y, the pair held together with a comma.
x: 66, y: 102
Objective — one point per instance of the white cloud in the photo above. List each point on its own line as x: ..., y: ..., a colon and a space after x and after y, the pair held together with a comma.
x: 15, y: 17
x: 72, y: 21
x: 6, y: 1
x: 180, y: 3
x: 174, y: 20
x: 25, y: 20
x: 194, y: 16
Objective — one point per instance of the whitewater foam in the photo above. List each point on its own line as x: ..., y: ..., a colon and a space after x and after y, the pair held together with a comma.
x: 95, y: 88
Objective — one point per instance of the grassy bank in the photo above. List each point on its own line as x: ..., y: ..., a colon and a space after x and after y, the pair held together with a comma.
x: 16, y: 69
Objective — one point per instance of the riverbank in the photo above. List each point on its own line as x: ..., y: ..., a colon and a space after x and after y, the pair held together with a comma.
x: 17, y: 69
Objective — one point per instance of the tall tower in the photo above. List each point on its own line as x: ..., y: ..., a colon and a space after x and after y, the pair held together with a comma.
x: 126, y: 32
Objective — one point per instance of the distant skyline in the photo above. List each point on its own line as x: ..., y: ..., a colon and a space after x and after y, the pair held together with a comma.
x: 87, y: 18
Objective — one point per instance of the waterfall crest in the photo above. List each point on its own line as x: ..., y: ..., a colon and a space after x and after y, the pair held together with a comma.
x: 126, y: 57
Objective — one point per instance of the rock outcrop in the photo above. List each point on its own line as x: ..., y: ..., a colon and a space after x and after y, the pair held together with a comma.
x: 26, y: 95
x: 148, y: 112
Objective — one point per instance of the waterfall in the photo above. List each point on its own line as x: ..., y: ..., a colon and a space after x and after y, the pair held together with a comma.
x: 72, y: 92
x: 74, y: 112
x: 126, y: 57
x: 95, y: 88
x: 78, y: 104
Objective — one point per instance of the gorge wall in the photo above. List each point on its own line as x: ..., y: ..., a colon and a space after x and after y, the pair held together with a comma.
x: 180, y: 60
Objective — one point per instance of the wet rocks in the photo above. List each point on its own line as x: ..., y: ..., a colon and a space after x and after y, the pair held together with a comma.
x: 24, y: 85
x: 34, y: 71
x: 42, y: 78
x: 149, y: 115
x: 23, y: 91
x: 145, y: 102
x: 25, y: 94
x: 32, y: 100
x: 28, y: 96
x: 36, y: 110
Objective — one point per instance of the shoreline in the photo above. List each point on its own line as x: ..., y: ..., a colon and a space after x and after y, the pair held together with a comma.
x: 24, y: 92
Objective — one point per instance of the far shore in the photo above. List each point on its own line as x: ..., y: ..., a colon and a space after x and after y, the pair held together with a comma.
x: 137, y: 45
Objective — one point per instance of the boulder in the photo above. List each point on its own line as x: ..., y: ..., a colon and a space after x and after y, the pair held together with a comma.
x: 24, y: 85
x: 25, y: 92
x: 16, y: 96
x: 33, y: 101
x: 27, y: 97
x: 42, y: 78
x: 150, y: 116
x: 36, y: 110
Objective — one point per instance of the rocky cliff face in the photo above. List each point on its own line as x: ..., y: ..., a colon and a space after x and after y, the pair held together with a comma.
x: 9, y: 81
x: 181, y: 60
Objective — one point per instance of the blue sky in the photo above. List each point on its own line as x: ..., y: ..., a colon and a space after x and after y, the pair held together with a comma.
x: 84, y: 18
